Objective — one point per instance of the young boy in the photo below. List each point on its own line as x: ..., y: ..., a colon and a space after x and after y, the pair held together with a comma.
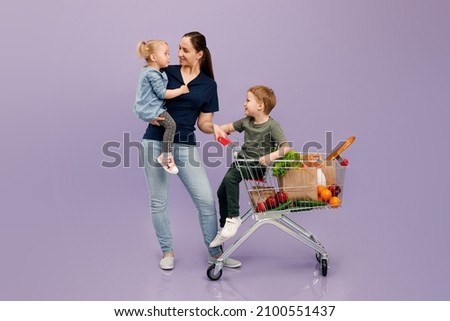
x: 262, y: 136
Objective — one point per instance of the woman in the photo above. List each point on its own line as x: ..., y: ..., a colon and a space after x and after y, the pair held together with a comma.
x: 197, y: 106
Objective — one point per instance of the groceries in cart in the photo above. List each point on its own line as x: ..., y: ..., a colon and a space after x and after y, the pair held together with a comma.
x: 298, y: 182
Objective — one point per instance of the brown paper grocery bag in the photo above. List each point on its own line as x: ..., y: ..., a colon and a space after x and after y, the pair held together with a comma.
x: 261, y: 193
x: 300, y: 183
x: 329, y: 170
x: 317, y: 160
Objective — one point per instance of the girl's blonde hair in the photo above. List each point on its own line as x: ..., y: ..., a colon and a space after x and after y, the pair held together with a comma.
x: 145, y: 48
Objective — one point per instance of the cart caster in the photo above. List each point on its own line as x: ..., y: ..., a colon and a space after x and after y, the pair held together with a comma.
x: 324, y: 267
x: 211, y: 275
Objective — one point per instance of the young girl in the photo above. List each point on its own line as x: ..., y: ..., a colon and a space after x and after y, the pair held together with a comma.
x: 151, y: 92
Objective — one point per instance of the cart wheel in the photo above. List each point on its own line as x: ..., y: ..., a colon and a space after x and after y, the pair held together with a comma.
x: 318, y: 257
x: 211, y: 275
x: 324, y: 267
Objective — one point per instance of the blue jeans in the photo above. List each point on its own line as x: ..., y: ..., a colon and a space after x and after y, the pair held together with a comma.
x: 194, y: 179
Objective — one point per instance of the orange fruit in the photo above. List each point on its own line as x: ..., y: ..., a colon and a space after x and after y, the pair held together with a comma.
x: 325, y: 195
x: 319, y: 189
x: 334, y: 202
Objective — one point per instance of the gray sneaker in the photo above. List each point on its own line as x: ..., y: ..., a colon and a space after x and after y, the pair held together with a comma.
x: 229, y: 263
x: 167, y: 263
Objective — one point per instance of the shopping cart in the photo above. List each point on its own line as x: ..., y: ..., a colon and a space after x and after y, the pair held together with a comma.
x: 307, y: 182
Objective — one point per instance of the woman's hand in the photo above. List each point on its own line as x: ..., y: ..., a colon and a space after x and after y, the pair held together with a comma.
x: 155, y: 122
x: 218, y: 132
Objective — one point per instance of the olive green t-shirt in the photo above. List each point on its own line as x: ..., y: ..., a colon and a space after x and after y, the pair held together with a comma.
x: 259, y: 139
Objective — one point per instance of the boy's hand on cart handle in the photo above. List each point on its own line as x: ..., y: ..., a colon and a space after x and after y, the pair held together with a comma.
x: 265, y: 160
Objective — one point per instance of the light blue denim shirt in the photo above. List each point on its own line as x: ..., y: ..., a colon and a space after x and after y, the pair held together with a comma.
x: 150, y: 94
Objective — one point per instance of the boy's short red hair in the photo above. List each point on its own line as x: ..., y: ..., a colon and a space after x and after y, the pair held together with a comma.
x: 265, y: 95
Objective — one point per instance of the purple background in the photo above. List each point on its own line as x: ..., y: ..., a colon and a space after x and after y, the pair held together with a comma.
x: 379, y: 70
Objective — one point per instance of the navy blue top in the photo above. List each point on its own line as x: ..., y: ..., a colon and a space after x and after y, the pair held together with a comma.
x: 185, y: 109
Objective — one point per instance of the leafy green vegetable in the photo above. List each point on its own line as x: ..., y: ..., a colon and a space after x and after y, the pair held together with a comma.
x: 289, y: 161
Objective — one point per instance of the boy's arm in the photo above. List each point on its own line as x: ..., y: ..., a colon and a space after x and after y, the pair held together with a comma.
x: 284, y: 148
x: 172, y: 93
x: 205, y: 124
x: 227, y: 128
x: 223, y: 131
x: 266, y: 160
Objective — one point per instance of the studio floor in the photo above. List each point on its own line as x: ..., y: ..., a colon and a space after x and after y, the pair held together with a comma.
x: 114, y: 256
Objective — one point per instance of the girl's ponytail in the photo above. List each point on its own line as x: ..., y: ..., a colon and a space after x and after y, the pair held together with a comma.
x: 142, y: 50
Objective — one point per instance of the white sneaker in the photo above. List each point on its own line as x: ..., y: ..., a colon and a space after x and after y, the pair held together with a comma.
x: 218, y: 240
x: 231, y: 226
x: 172, y: 169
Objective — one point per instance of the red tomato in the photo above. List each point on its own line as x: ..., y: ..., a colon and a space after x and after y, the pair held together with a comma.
x: 260, y: 207
x: 281, y: 197
x: 271, y: 202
